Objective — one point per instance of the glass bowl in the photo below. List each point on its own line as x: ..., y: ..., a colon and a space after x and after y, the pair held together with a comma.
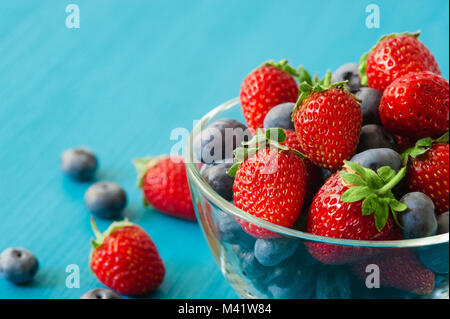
x: 292, y: 273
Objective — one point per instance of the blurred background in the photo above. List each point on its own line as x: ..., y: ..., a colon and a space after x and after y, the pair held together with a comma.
x: 120, y: 84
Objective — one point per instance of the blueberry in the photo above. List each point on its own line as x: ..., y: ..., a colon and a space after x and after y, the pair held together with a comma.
x: 292, y: 281
x: 333, y: 283
x: 218, y: 140
x: 280, y: 116
x: 79, y: 163
x: 442, y: 220
x: 271, y: 252
x: 232, y: 232
x: 379, y: 157
x: 250, y: 267
x: 419, y: 220
x: 105, y: 200
x: 18, y: 265
x: 101, y: 293
x: 370, y: 103
x: 216, y: 176
x: 375, y: 136
x: 348, y: 72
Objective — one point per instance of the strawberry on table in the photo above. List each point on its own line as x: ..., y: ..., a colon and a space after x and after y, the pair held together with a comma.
x: 400, y: 269
x: 416, y: 105
x: 270, y: 182
x: 428, y: 170
x: 267, y: 86
x: 393, y: 56
x: 164, y: 183
x: 328, y: 122
x: 125, y: 259
x: 355, y: 203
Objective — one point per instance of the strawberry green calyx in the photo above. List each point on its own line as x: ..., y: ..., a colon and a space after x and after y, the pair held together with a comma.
x: 269, y: 138
x: 423, y: 145
x: 363, y: 60
x: 374, y: 189
x: 99, y: 237
x: 142, y: 165
x: 283, y: 66
x: 308, y: 87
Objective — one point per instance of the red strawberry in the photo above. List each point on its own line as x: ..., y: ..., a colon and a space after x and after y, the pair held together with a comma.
x: 428, y: 171
x: 164, y: 183
x: 395, y: 55
x: 125, y: 259
x: 342, y: 209
x: 328, y: 122
x: 270, y: 184
x: 416, y: 105
x: 266, y: 87
x: 399, y: 269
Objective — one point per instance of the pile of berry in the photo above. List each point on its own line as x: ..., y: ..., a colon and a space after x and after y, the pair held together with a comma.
x: 360, y: 154
x: 124, y: 258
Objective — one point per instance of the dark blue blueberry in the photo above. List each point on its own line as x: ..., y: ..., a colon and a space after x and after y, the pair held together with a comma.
x: 18, y: 265
x: 291, y: 281
x: 419, y: 220
x: 435, y: 257
x: 216, y: 176
x: 232, y: 232
x: 375, y: 136
x: 250, y: 267
x: 101, y: 293
x: 271, y: 252
x: 379, y: 157
x: 218, y: 140
x: 105, y: 200
x: 442, y: 220
x: 302, y: 257
x: 370, y: 103
x: 333, y: 283
x: 348, y: 72
x: 79, y: 163
x: 280, y: 116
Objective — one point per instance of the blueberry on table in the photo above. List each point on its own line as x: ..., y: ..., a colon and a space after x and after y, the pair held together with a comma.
x: 375, y: 136
x: 232, y: 232
x: 101, y: 293
x: 333, y: 283
x: 105, y: 200
x: 348, y: 72
x: 370, y: 103
x: 79, y: 163
x: 379, y: 157
x: 216, y: 176
x: 217, y: 141
x: 419, y: 220
x: 272, y: 251
x: 442, y: 220
x: 280, y: 116
x: 18, y: 265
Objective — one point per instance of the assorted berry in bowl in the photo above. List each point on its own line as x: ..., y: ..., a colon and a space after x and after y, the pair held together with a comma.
x: 330, y: 188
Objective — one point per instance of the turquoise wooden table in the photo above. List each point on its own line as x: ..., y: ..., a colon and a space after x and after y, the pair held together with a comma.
x: 133, y: 72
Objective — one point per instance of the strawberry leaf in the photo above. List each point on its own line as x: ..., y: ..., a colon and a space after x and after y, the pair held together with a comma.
x: 304, y: 76
x: 233, y: 169
x: 276, y: 134
x: 443, y: 139
x: 368, y: 206
x: 355, y: 194
x: 353, y: 179
x: 386, y: 173
x: 381, y: 214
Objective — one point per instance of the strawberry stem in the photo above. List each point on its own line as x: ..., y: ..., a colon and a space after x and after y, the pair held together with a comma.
x: 394, y: 181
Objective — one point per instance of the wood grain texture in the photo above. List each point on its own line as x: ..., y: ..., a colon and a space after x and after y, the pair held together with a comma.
x: 134, y: 71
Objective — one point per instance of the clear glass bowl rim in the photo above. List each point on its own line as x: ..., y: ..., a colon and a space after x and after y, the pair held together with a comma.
x: 206, y: 191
